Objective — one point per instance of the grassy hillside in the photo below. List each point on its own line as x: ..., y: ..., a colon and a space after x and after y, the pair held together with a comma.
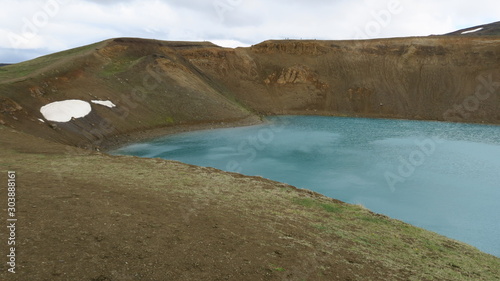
x: 15, y: 72
x: 150, y: 84
x: 90, y: 216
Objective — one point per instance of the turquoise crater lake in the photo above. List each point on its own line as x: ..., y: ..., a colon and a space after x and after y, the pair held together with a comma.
x: 444, y: 177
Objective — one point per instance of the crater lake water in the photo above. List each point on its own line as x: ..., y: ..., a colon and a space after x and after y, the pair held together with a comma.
x: 444, y: 177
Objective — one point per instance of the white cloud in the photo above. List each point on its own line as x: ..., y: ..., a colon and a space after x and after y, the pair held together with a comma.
x: 229, y: 43
x: 43, y: 26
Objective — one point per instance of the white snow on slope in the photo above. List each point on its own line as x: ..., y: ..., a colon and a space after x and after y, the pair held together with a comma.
x: 105, y: 103
x: 63, y: 111
x: 471, y: 31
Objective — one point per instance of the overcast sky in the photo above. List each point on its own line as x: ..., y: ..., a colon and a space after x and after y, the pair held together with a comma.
x: 31, y: 28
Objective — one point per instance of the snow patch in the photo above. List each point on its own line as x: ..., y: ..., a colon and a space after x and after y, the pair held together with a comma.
x: 471, y: 31
x: 106, y: 103
x: 41, y: 120
x: 64, y: 111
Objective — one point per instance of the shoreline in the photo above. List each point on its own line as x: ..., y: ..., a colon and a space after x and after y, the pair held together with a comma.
x: 120, y: 140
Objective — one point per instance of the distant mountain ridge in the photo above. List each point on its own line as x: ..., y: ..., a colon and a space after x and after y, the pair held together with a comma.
x: 492, y: 29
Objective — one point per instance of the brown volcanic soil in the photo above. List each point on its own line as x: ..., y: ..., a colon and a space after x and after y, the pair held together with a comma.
x: 84, y: 215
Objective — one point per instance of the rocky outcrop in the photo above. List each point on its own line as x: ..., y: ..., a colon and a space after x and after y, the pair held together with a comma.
x: 9, y: 106
x: 297, y: 74
x: 293, y: 47
x: 412, y: 78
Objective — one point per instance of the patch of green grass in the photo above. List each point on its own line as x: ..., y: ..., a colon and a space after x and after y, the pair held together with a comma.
x: 330, y: 208
x: 119, y: 65
x: 373, y: 219
x: 162, y: 120
x: 278, y: 268
x: 364, y: 240
x: 170, y: 120
x: 26, y: 68
x: 433, y: 246
x: 306, y: 202
x: 312, y: 203
x: 320, y: 227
